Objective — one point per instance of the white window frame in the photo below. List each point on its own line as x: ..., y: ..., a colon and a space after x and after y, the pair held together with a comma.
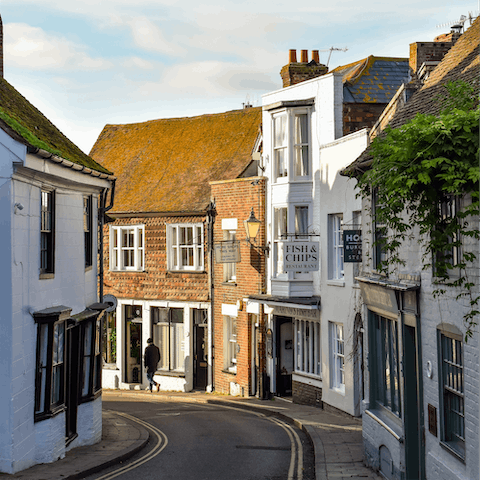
x: 117, y: 260
x: 230, y: 335
x: 176, y: 248
x: 336, y: 267
x: 230, y: 268
x: 289, y: 145
x: 308, y: 348
x: 280, y: 230
x: 337, y: 357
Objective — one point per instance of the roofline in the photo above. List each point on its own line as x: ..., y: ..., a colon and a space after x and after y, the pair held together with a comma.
x: 202, y: 213
x: 68, y: 164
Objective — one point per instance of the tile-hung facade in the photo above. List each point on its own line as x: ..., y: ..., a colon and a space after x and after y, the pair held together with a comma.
x: 158, y: 248
x: 314, y: 323
x: 422, y: 384
x: 239, y: 270
x: 50, y: 385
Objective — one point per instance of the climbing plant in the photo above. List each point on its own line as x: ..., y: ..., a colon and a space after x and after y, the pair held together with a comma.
x: 426, y: 163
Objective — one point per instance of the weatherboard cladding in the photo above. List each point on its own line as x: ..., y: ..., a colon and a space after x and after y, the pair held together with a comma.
x: 460, y: 63
x: 373, y: 79
x: 21, y: 120
x: 166, y: 165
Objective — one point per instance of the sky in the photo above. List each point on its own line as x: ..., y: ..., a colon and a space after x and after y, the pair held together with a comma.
x: 87, y: 63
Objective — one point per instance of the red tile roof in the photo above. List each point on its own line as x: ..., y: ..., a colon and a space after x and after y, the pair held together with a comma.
x: 166, y: 165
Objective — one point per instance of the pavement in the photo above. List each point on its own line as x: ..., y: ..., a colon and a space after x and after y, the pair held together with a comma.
x: 336, y: 438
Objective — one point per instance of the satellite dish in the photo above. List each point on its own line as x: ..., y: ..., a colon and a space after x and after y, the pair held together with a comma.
x: 112, y: 301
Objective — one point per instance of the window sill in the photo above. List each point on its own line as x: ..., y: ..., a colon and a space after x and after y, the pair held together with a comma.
x: 229, y: 284
x: 45, y: 276
x: 336, y: 283
x: 88, y: 268
x: 449, y: 449
x: 229, y: 372
x: 340, y: 391
x: 169, y: 373
x: 46, y: 415
x: 110, y: 366
x: 128, y: 271
x: 308, y: 375
x: 91, y: 397
x: 186, y: 271
x: 386, y: 422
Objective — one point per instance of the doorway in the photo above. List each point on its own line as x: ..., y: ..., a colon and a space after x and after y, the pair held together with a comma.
x: 284, y: 355
x: 133, y: 344
x: 73, y: 379
x: 201, y: 357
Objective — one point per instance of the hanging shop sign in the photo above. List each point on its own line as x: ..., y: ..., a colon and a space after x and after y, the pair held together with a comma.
x: 301, y: 256
x: 227, y: 252
x: 352, y: 246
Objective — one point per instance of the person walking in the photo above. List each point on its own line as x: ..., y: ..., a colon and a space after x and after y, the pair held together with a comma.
x: 151, y: 359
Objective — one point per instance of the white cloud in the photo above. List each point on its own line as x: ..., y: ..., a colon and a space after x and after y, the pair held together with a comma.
x: 137, y: 62
x: 34, y: 49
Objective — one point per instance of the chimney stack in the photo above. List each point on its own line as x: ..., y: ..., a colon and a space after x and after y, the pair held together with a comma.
x: 296, y: 72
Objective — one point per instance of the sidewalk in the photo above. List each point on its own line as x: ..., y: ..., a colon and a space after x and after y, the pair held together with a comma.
x: 337, y: 438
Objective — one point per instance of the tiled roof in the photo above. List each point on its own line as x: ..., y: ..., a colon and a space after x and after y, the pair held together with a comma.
x: 460, y: 63
x: 166, y: 165
x: 20, y: 119
x: 373, y: 79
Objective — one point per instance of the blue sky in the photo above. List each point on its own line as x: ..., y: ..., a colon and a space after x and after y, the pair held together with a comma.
x: 91, y: 62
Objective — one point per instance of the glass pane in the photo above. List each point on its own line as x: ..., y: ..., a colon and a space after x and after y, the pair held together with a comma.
x: 301, y: 131
x: 189, y: 235
x: 280, y: 130
x: 301, y: 161
x: 174, y: 235
x: 301, y: 220
x: 140, y: 237
x: 86, y: 376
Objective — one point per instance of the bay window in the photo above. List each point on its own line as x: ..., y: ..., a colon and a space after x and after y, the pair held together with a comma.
x: 279, y: 236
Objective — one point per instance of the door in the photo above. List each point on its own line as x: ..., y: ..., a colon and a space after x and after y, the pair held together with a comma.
x: 73, y: 380
x: 284, y: 355
x: 413, y: 420
x: 201, y: 358
x: 133, y: 351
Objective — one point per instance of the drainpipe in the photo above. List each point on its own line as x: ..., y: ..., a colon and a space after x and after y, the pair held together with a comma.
x: 211, y: 213
x: 101, y: 222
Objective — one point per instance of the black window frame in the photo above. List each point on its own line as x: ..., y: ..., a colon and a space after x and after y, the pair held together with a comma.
x: 88, y: 229
x: 47, y: 321
x: 379, y: 236
x: 90, y: 386
x: 385, y: 392
x: 451, y: 390
x: 47, y: 231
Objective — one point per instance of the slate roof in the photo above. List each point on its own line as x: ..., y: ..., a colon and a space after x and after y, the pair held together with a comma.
x: 373, y: 79
x: 462, y: 62
x: 165, y: 166
x: 21, y: 120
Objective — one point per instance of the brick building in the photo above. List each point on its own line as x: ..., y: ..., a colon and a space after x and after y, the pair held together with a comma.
x: 158, y: 247
x: 421, y: 412
x: 239, y: 270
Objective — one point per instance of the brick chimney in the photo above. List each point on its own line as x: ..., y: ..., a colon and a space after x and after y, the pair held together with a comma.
x: 296, y: 72
x: 431, y: 53
x: 1, y: 47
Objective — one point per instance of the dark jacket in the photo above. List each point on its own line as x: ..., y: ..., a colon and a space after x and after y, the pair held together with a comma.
x: 151, y: 358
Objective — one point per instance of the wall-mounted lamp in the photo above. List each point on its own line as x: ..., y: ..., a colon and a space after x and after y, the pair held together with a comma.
x: 252, y: 225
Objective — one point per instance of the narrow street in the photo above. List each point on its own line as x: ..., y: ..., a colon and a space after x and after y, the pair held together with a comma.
x: 204, y: 442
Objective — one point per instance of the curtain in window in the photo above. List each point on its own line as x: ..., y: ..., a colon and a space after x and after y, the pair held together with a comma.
x: 301, y: 146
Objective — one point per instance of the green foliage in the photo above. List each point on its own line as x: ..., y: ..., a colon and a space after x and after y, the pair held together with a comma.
x: 418, y: 166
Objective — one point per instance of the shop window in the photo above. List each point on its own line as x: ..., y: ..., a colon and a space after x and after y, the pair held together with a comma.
x: 230, y: 343
x: 308, y: 349
x: 91, y: 358
x: 169, y: 337
x: 385, y: 373
x: 109, y: 338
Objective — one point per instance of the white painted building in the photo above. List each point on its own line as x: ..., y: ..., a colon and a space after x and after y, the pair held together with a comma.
x: 310, y: 132
x: 50, y: 344
x: 420, y: 413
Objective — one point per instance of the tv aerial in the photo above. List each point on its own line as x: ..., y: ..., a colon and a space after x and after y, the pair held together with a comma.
x: 333, y: 49
x: 459, y: 25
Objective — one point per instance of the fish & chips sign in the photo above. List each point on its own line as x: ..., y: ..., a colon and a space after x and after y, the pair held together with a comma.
x: 301, y: 256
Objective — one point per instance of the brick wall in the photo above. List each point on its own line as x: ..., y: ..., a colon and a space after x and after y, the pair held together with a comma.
x: 421, y: 52
x: 234, y: 200
x: 360, y: 115
x: 306, y: 394
x: 155, y: 282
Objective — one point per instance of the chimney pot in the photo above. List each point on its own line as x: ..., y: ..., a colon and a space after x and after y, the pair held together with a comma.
x: 292, y: 56
x: 304, y: 56
x: 315, y: 56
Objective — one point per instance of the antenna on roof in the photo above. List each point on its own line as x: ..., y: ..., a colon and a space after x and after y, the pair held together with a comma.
x: 331, y: 49
x: 247, y: 103
x: 459, y: 25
